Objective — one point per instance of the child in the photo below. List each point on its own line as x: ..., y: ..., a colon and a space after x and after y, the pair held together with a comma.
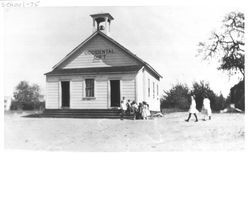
x: 123, y: 107
x: 144, y: 110
x: 129, y: 110
x: 139, y: 112
x: 147, y: 110
x: 134, y: 108
x: 192, y: 109
x: 206, y: 109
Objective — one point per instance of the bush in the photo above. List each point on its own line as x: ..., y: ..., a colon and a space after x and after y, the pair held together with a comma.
x: 15, y: 105
x: 237, y: 95
x: 26, y: 97
x: 220, y: 103
x: 179, y: 97
x: 176, y: 97
x: 202, y: 89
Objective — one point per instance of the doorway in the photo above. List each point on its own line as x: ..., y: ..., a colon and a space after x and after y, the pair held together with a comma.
x: 115, y: 93
x: 65, y: 94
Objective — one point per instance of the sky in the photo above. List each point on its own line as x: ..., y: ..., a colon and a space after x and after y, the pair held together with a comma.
x: 166, y: 37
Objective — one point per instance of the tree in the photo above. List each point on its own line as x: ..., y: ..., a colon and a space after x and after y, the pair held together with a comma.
x: 179, y: 96
x: 220, y: 103
x: 227, y: 45
x: 26, y: 96
x: 200, y: 90
x: 176, y: 97
x: 237, y: 95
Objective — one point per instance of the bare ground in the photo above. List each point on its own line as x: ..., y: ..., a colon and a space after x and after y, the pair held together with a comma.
x: 170, y: 133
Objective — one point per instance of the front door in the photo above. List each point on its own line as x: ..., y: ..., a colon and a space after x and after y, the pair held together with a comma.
x: 65, y: 93
x: 115, y: 93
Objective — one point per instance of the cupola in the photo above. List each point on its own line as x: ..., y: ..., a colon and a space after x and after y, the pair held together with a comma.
x: 101, y: 22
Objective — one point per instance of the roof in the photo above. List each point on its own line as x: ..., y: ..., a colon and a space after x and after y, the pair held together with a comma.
x: 146, y: 65
x: 96, y: 70
x: 102, y: 15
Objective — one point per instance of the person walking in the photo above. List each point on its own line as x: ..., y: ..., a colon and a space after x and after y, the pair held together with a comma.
x: 192, y: 109
x: 206, y: 109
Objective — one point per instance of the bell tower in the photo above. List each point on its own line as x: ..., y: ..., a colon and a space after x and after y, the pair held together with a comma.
x: 101, y: 22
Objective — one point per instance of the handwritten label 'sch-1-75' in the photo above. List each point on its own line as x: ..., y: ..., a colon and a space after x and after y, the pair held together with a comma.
x: 18, y: 4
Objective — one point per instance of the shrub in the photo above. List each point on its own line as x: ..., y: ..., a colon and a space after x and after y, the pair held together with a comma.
x: 179, y: 97
x: 237, y: 95
x: 27, y: 106
x: 26, y: 97
x: 176, y: 97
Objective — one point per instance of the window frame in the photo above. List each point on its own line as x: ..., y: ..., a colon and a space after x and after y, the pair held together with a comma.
x: 153, y: 89
x: 90, y: 90
x: 148, y: 87
x: 84, y: 89
x: 157, y: 90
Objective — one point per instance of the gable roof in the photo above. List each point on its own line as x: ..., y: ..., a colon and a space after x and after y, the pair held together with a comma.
x: 96, y: 70
x: 146, y: 65
x: 102, y: 15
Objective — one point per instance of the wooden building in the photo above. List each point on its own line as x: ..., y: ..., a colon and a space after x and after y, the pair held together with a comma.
x: 99, y: 72
x: 7, y: 103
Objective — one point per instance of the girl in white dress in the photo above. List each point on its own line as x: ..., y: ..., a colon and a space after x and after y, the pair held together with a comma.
x: 148, y: 111
x: 192, y: 109
x: 144, y: 110
x: 206, y: 109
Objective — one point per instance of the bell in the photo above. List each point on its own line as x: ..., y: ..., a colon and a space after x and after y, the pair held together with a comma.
x: 102, y: 28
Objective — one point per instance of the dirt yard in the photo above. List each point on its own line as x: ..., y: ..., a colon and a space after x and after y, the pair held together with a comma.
x: 169, y: 133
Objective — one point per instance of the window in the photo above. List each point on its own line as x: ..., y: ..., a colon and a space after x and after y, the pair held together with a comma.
x: 153, y: 90
x: 157, y: 88
x: 148, y: 87
x: 89, y: 87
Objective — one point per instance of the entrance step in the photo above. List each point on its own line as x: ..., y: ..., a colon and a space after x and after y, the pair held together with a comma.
x: 83, y: 113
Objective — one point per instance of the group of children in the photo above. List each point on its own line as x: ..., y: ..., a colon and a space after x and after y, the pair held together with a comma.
x: 206, y: 109
x: 140, y: 111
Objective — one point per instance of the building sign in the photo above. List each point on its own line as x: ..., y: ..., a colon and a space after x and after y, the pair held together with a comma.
x: 99, y: 54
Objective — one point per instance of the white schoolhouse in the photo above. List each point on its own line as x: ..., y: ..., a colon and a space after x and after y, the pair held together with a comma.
x: 99, y: 72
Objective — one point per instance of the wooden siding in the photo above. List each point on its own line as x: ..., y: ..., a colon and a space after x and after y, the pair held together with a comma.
x: 133, y: 87
x: 100, y: 101
x: 139, y: 86
x: 82, y: 60
x: 154, y: 102
x: 52, y: 95
x: 128, y: 89
x: 102, y: 96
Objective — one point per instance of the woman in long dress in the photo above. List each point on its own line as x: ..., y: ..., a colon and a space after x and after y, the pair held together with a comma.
x: 192, y: 109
